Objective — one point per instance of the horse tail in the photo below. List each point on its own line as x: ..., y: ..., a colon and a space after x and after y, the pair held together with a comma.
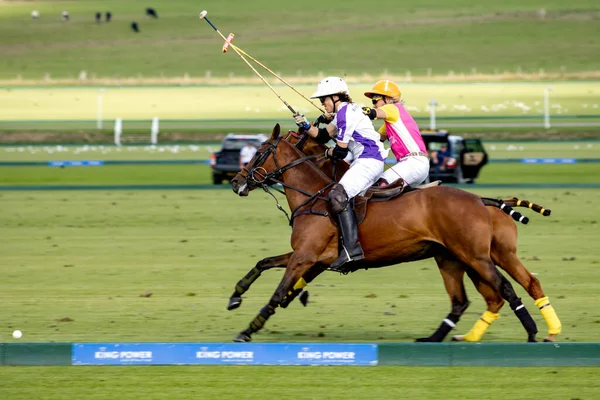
x: 501, y: 204
x: 514, y: 202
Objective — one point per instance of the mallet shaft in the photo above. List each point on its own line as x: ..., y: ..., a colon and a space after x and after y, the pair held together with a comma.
x: 235, y: 48
x: 211, y: 24
x: 277, y: 76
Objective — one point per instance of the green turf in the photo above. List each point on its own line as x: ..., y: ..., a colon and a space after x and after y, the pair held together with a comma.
x: 310, y: 37
x: 234, y: 382
x: 491, y: 103
x: 538, y: 173
x: 194, y: 174
x: 90, y: 256
x: 111, y: 152
x: 107, y: 175
x: 522, y: 149
x: 581, y: 149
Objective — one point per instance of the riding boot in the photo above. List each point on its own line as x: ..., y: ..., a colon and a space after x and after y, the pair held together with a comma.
x: 351, y: 250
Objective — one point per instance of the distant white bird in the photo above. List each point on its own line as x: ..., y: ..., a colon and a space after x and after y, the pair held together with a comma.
x: 35, y: 14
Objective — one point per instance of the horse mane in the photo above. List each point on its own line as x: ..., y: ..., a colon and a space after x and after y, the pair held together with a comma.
x: 301, y: 154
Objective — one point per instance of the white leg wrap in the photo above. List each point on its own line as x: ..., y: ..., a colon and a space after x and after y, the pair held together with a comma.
x: 450, y: 323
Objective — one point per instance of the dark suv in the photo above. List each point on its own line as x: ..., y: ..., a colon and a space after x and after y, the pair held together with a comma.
x: 225, y: 164
x: 465, y: 160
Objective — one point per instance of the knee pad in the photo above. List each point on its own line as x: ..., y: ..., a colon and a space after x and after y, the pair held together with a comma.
x: 338, y: 198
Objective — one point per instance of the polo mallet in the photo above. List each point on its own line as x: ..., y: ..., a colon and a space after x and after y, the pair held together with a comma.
x: 203, y: 16
x: 276, y: 76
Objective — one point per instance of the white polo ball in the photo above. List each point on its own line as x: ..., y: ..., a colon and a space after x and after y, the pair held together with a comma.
x: 203, y: 14
x: 17, y: 334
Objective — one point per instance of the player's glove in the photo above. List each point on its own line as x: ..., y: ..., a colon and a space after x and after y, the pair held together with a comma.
x: 324, y: 119
x: 370, y: 112
x: 301, y: 121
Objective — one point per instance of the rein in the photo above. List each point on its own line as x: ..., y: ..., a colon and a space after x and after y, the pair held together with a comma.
x: 255, y: 174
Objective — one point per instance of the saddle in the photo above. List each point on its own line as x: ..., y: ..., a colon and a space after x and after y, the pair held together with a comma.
x: 381, y: 194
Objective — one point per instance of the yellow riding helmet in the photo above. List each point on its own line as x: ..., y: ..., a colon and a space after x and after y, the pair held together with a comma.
x: 384, y: 88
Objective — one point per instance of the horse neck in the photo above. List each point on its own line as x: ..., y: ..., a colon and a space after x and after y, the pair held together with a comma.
x: 305, y: 176
x: 328, y: 166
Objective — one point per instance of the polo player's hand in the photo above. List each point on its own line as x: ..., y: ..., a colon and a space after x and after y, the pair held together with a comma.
x: 337, y: 152
x: 324, y: 119
x: 301, y: 121
x: 370, y: 112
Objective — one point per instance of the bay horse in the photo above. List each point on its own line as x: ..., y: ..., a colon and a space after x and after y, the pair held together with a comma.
x: 503, y: 251
x: 458, y: 235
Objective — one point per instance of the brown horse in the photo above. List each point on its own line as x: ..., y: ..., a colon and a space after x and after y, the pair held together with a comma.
x: 458, y: 235
x: 503, y: 250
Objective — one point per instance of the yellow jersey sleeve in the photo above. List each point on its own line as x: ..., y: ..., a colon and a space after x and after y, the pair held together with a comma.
x: 392, y: 113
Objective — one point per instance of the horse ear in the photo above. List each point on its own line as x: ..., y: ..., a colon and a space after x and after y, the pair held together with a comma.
x: 276, y: 131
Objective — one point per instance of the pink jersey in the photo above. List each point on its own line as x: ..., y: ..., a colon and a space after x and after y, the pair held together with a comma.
x: 402, y: 131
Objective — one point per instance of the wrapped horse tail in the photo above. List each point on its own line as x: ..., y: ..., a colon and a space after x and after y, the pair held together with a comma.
x: 501, y: 204
x: 514, y: 202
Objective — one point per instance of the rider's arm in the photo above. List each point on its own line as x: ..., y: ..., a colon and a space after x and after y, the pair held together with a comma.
x: 323, y: 134
x: 389, y: 112
x: 340, y: 150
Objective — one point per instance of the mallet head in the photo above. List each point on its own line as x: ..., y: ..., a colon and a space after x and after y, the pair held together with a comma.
x: 203, y: 14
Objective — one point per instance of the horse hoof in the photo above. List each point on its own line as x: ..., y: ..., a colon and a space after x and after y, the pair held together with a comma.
x: 531, y: 339
x: 234, y: 303
x: 458, y: 338
x: 550, y: 338
x: 424, y: 340
x: 304, y: 297
x: 242, y: 338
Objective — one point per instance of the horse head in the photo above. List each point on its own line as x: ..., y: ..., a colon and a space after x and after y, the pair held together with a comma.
x: 243, y: 182
x: 256, y: 174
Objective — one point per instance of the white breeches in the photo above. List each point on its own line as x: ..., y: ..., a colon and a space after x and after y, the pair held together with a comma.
x: 413, y: 170
x: 362, y: 174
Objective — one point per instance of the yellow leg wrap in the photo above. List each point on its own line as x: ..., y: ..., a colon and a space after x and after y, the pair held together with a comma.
x: 554, y: 325
x: 481, y: 326
x: 301, y: 284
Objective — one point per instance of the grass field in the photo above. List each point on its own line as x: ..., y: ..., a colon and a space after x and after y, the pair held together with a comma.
x: 487, y: 35
x: 90, y: 255
x: 201, y: 174
x: 194, y: 174
x: 257, y: 102
x: 159, y: 266
x: 580, y: 149
x: 65, y: 383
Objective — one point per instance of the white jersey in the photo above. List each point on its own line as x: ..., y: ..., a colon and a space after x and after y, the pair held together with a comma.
x: 356, y: 129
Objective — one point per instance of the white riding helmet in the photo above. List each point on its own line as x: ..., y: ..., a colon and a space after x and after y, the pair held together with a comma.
x: 330, y: 86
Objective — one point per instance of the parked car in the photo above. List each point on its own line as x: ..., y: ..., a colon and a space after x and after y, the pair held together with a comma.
x: 465, y: 157
x: 225, y: 163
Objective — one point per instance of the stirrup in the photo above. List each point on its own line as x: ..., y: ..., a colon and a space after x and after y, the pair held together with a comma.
x: 340, y: 265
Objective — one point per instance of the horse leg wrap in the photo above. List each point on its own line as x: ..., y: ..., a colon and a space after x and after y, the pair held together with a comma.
x: 524, y: 316
x: 292, y: 294
x: 259, y: 321
x: 482, y: 324
x: 554, y: 325
x: 244, y: 284
x: 445, y: 327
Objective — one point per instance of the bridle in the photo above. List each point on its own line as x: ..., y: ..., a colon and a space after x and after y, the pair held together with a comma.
x: 258, y: 176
